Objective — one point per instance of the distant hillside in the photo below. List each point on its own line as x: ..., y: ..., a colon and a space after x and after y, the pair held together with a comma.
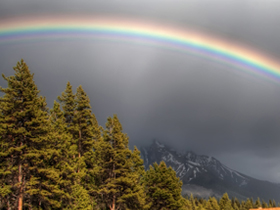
x: 205, y: 176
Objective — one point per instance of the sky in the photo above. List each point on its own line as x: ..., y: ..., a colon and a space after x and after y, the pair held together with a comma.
x: 190, y: 102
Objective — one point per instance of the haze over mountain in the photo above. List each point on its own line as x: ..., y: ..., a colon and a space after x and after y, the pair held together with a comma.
x: 205, y: 176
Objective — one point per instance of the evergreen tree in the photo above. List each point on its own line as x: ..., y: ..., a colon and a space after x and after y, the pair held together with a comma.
x: 187, y: 203
x: 273, y: 204
x: 81, y: 199
x: 163, y: 188
x: 270, y: 203
x: 192, y: 203
x: 83, y: 137
x: 6, y: 178
x: 62, y: 156
x: 225, y: 202
x: 228, y: 206
x: 257, y: 204
x: 202, y: 202
x: 232, y: 201
x: 236, y: 201
x: 84, y: 130
x: 264, y: 204
x: 248, y: 204
x: 212, y: 204
x: 235, y: 206
x: 25, y: 152
x: 119, y: 172
x: 67, y: 99
x: 252, y: 201
x: 208, y: 205
x: 200, y: 207
x: 243, y: 206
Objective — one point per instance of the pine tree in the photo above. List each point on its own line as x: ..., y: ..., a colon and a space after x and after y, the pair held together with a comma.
x: 81, y: 199
x: 212, y: 204
x: 163, y: 188
x: 25, y: 151
x: 67, y: 99
x: 273, y: 204
x: 264, y: 204
x: 236, y: 201
x: 225, y: 202
x: 235, y: 206
x: 187, y: 203
x: 62, y: 156
x: 119, y: 176
x: 85, y: 133
x: 83, y: 129
x: 202, y: 202
x: 270, y: 203
x: 242, y: 206
x: 192, y: 202
x: 248, y: 204
x: 6, y: 181
x: 257, y: 204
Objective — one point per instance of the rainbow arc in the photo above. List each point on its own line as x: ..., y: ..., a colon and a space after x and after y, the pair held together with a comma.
x: 42, y: 28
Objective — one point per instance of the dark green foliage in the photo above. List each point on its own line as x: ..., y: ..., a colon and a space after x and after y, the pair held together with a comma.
x: 235, y: 206
x: 67, y: 100
x: 264, y: 204
x: 81, y: 199
x: 83, y: 123
x: 236, y: 201
x: 25, y: 151
x: 163, y: 188
x: 120, y: 169
x: 225, y: 202
x: 85, y: 132
x: 63, y: 159
x: 273, y: 204
x: 83, y: 128
x: 212, y: 204
x: 248, y: 204
x: 257, y: 204
x: 62, y: 156
x: 193, y: 205
x: 242, y: 205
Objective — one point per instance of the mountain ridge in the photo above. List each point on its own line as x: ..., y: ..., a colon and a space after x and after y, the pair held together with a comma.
x: 205, y: 176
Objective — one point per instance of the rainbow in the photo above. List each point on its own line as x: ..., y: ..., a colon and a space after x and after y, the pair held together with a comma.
x: 39, y: 28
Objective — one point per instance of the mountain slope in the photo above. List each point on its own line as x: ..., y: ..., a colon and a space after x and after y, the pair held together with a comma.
x: 205, y: 176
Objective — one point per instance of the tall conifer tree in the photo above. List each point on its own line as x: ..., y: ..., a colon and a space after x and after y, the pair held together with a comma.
x: 119, y: 176
x: 257, y: 203
x: 24, y: 136
x: 212, y: 204
x: 67, y: 99
x: 62, y: 156
x: 84, y: 130
x: 225, y: 202
x: 264, y: 204
x: 248, y: 204
x: 163, y: 188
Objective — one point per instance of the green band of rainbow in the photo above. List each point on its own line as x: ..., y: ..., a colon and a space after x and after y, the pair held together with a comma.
x: 21, y: 30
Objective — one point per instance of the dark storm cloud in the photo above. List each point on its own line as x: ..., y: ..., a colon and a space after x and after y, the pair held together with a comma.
x: 183, y: 100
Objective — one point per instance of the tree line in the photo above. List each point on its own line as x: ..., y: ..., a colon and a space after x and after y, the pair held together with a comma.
x: 63, y: 159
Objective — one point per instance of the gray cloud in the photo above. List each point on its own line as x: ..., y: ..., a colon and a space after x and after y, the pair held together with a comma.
x: 186, y: 101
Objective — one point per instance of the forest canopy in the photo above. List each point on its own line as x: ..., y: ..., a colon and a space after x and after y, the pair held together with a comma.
x: 61, y: 158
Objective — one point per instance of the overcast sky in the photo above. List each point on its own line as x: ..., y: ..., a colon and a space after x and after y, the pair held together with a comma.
x: 186, y: 101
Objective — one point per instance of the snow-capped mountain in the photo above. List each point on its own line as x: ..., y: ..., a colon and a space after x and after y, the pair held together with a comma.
x: 205, y: 176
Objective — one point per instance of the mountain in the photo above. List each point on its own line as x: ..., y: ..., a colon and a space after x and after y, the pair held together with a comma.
x: 205, y: 176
